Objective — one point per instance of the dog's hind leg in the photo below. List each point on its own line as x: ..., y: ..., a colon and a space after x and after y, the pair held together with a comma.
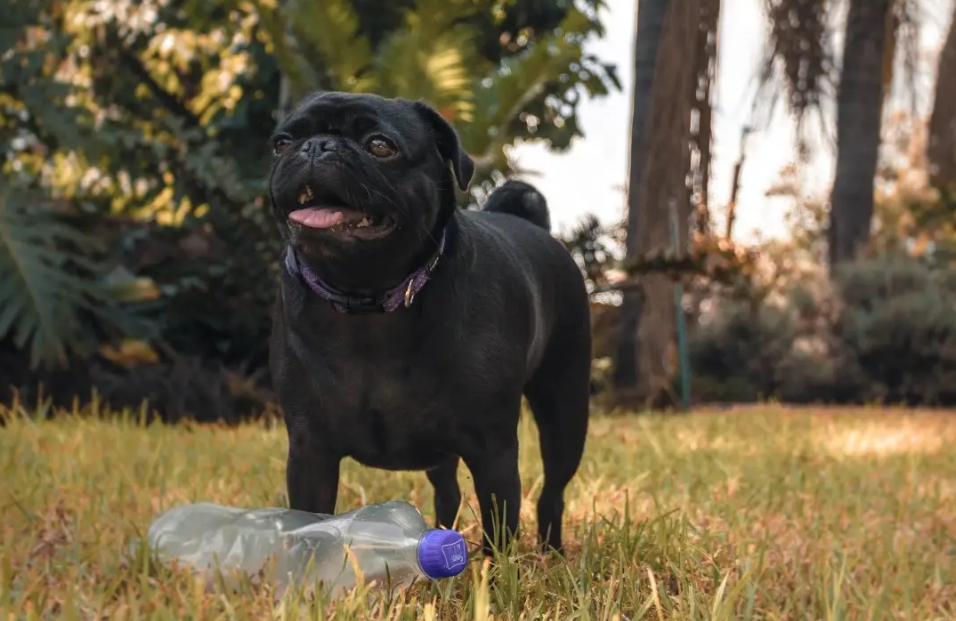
x: 559, y: 395
x: 444, y: 479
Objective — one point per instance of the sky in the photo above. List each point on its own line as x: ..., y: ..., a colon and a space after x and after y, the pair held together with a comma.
x: 590, y: 176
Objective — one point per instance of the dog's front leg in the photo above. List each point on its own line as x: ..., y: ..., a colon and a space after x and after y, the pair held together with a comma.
x: 312, y: 473
x: 498, y: 487
x: 444, y: 479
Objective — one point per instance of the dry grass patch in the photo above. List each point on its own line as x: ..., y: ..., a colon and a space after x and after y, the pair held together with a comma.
x: 761, y: 514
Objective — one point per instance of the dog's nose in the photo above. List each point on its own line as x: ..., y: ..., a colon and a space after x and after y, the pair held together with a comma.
x: 315, y: 148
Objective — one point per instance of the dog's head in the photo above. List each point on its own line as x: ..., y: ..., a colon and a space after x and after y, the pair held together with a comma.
x: 361, y: 172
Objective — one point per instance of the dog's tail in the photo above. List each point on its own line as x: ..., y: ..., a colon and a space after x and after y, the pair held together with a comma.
x: 520, y: 199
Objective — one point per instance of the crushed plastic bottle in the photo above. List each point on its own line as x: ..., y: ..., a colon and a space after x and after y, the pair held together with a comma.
x: 389, y: 542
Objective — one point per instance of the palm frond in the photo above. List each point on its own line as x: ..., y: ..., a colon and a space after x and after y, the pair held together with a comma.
x: 520, y: 80
x: 432, y: 58
x: 316, y: 44
x: 49, y: 283
x: 332, y: 27
x: 799, y: 62
x: 414, y: 66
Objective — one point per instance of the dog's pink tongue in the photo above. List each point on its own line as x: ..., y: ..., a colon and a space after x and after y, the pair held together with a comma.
x: 319, y: 217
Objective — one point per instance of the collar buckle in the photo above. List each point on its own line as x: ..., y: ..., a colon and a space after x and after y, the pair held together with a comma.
x: 409, y: 293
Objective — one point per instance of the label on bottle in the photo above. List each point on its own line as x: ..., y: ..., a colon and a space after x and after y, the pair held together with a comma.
x: 456, y: 555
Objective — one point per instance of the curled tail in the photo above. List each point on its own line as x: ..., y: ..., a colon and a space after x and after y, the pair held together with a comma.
x: 520, y: 199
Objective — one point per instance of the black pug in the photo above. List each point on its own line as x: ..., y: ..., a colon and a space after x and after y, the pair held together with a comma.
x: 406, y: 330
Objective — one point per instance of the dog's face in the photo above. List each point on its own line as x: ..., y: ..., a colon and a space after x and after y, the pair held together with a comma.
x: 360, y: 171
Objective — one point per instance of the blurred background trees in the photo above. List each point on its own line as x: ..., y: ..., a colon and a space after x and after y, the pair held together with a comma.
x: 768, y: 322
x: 137, y: 258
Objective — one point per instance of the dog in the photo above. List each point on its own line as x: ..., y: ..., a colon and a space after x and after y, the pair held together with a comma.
x: 406, y: 329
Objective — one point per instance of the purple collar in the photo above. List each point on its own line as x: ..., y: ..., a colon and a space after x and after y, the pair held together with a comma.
x: 401, y: 294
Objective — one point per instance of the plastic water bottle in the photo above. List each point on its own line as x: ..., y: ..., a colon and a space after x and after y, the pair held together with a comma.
x: 389, y: 542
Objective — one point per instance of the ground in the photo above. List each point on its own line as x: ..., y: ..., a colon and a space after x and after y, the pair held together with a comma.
x: 761, y: 513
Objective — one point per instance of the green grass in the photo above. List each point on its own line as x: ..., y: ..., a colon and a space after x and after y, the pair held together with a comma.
x: 757, y: 514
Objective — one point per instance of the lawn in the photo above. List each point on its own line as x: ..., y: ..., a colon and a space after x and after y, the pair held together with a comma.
x: 754, y: 514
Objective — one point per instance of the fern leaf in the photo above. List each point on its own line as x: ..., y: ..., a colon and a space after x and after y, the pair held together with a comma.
x: 47, y: 281
x: 332, y: 28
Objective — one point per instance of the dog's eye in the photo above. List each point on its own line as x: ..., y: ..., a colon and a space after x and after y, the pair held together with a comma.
x: 380, y: 148
x: 281, y: 144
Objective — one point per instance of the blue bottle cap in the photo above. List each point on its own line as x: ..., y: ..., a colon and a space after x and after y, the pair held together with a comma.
x: 442, y: 553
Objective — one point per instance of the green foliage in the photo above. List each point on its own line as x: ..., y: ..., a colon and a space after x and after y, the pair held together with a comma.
x: 896, y: 331
x: 55, y: 297
x: 738, y: 356
x: 591, y: 246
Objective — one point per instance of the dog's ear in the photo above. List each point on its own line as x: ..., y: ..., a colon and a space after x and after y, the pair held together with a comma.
x: 448, y: 144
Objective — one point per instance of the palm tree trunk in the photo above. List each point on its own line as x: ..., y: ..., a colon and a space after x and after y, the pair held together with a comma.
x: 707, y: 44
x: 941, y: 145
x: 664, y: 194
x: 859, y: 119
x: 661, y: 193
x: 649, y: 30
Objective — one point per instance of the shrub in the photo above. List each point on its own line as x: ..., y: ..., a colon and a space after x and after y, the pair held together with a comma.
x: 184, y: 388
x: 173, y: 388
x: 737, y: 355
x: 896, y: 327
x: 884, y: 331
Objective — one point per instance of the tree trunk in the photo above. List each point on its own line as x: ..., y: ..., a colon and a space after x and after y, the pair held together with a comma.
x: 662, y: 191
x: 649, y: 30
x: 941, y: 143
x: 859, y: 119
x: 707, y: 44
x: 663, y: 194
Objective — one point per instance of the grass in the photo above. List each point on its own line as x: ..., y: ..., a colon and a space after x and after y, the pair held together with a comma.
x: 759, y: 514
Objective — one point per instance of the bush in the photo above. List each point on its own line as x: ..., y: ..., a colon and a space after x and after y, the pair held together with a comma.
x: 896, y: 328
x: 737, y: 355
x: 184, y: 388
x: 884, y: 330
x: 172, y: 388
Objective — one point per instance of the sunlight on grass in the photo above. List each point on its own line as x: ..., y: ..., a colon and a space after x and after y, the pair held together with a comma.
x: 763, y: 514
x: 878, y: 437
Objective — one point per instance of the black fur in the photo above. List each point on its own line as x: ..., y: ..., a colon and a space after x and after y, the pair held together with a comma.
x: 505, y: 314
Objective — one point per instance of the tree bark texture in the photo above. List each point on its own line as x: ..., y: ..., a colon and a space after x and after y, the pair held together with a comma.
x: 649, y: 29
x: 859, y: 120
x: 707, y: 45
x: 941, y: 143
x: 663, y: 189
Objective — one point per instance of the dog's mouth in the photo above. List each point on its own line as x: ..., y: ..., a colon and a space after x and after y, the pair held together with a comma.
x: 333, y: 215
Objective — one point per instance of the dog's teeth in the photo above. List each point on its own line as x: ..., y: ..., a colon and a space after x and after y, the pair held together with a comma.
x: 306, y: 195
x: 364, y: 222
